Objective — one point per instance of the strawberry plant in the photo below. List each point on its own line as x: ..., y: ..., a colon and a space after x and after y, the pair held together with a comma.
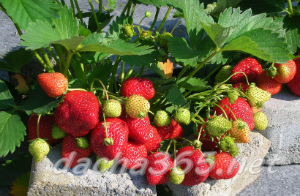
x: 87, y: 100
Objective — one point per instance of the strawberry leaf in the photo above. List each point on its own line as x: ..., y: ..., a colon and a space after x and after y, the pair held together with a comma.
x: 215, y: 8
x: 39, y: 102
x: 12, y: 169
x: 166, y: 3
x: 164, y: 145
x: 12, y: 131
x: 20, y: 186
x: 78, y: 83
x: 264, y: 6
x: 23, y: 12
x: 175, y: 96
x: 6, y: 100
x: 144, y: 60
x: 194, y: 84
x: 15, y: 60
x: 100, y: 72
x: 115, y: 29
x: 292, y: 31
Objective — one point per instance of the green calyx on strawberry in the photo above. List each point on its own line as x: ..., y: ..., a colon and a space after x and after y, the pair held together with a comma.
x: 137, y: 106
x: 223, y: 74
x: 176, y: 175
x: 217, y: 126
x: 227, y: 144
x: 256, y: 96
x: 104, y: 164
x: 261, y: 121
x: 197, y: 144
x: 128, y: 30
x: 145, y: 35
x: 272, y: 71
x: 82, y: 142
x: 233, y: 96
x: 161, y: 118
x: 39, y: 148
x: 57, y: 133
x: 163, y: 39
x: 112, y: 108
x: 182, y: 116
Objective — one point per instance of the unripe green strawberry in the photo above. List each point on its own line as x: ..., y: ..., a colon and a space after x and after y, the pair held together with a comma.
x: 39, y: 148
x: 161, y: 118
x: 217, y: 126
x: 57, y: 133
x: 261, y: 121
x: 128, y: 30
x: 256, y: 96
x: 104, y: 164
x: 224, y: 74
x: 234, y: 151
x: 183, y: 116
x: 82, y: 142
x: 176, y: 175
x: 163, y: 40
x: 227, y: 143
x: 148, y: 14
x: 112, y: 108
x: 137, y: 106
x: 145, y: 35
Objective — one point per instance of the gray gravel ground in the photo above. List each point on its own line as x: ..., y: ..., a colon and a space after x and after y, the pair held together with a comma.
x: 285, y: 180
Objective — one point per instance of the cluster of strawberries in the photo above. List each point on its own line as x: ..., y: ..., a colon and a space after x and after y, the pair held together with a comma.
x: 123, y: 133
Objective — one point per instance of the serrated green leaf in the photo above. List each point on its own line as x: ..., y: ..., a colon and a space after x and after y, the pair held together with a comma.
x: 164, y: 145
x: 94, y: 38
x: 144, y: 60
x: 78, y: 83
x: 92, y: 57
x: 292, y: 31
x: 165, y: 3
x: 23, y: 12
x: 194, y: 84
x: 175, y: 96
x: 263, y: 6
x: 100, y: 72
x: 118, y: 47
x: 15, y: 60
x: 215, y: 8
x: 12, y: 131
x: 70, y: 44
x: 103, y: 19
x: 39, y: 102
x: 12, y: 169
x: 41, y: 33
x: 78, y: 69
x: 84, y: 31
x: 20, y: 186
x: 6, y: 100
x: 115, y: 29
x: 158, y: 81
x: 156, y: 67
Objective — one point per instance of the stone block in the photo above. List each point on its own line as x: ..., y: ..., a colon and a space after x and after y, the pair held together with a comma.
x: 250, y: 159
x: 283, y: 129
x: 45, y: 180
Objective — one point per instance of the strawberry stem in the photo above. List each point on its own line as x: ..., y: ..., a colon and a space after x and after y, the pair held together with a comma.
x: 169, y: 145
x: 105, y: 126
x: 198, y: 138
x: 38, y: 126
x: 222, y: 111
x: 164, y: 19
x: 233, y: 75
x: 155, y: 18
x: 69, y: 57
x: 174, y: 164
x: 91, y: 87
x: 230, y: 111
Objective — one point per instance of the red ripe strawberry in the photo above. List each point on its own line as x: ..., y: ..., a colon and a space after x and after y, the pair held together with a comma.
x: 133, y: 152
x: 250, y: 67
x: 268, y: 84
x: 294, y: 84
x: 69, y: 145
x: 207, y: 143
x: 117, y: 130
x: 200, y: 168
x: 170, y: 131
x: 54, y: 84
x: 159, y: 168
x: 138, y: 86
x: 241, y: 86
x: 45, y: 128
x: 78, y: 114
x: 226, y: 167
x: 240, y: 108
x: 286, y: 71
x: 138, y: 129
x: 154, y: 140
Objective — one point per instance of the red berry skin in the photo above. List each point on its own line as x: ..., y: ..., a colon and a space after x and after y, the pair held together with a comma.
x: 207, y: 143
x: 226, y: 167
x: 78, y: 113
x: 45, y: 128
x: 240, y: 108
x: 133, y: 151
x: 294, y: 84
x: 117, y: 130
x: 170, y: 131
x: 286, y: 71
x: 54, y: 84
x: 241, y: 86
x: 268, y: 84
x: 68, y: 146
x: 200, y: 168
x: 138, y: 86
x: 250, y: 67
x: 138, y: 129
x: 159, y: 168
x: 154, y: 140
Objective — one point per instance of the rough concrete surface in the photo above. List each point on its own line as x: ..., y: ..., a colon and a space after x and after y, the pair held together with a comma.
x: 45, y: 181
x: 283, y: 129
x: 250, y: 159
